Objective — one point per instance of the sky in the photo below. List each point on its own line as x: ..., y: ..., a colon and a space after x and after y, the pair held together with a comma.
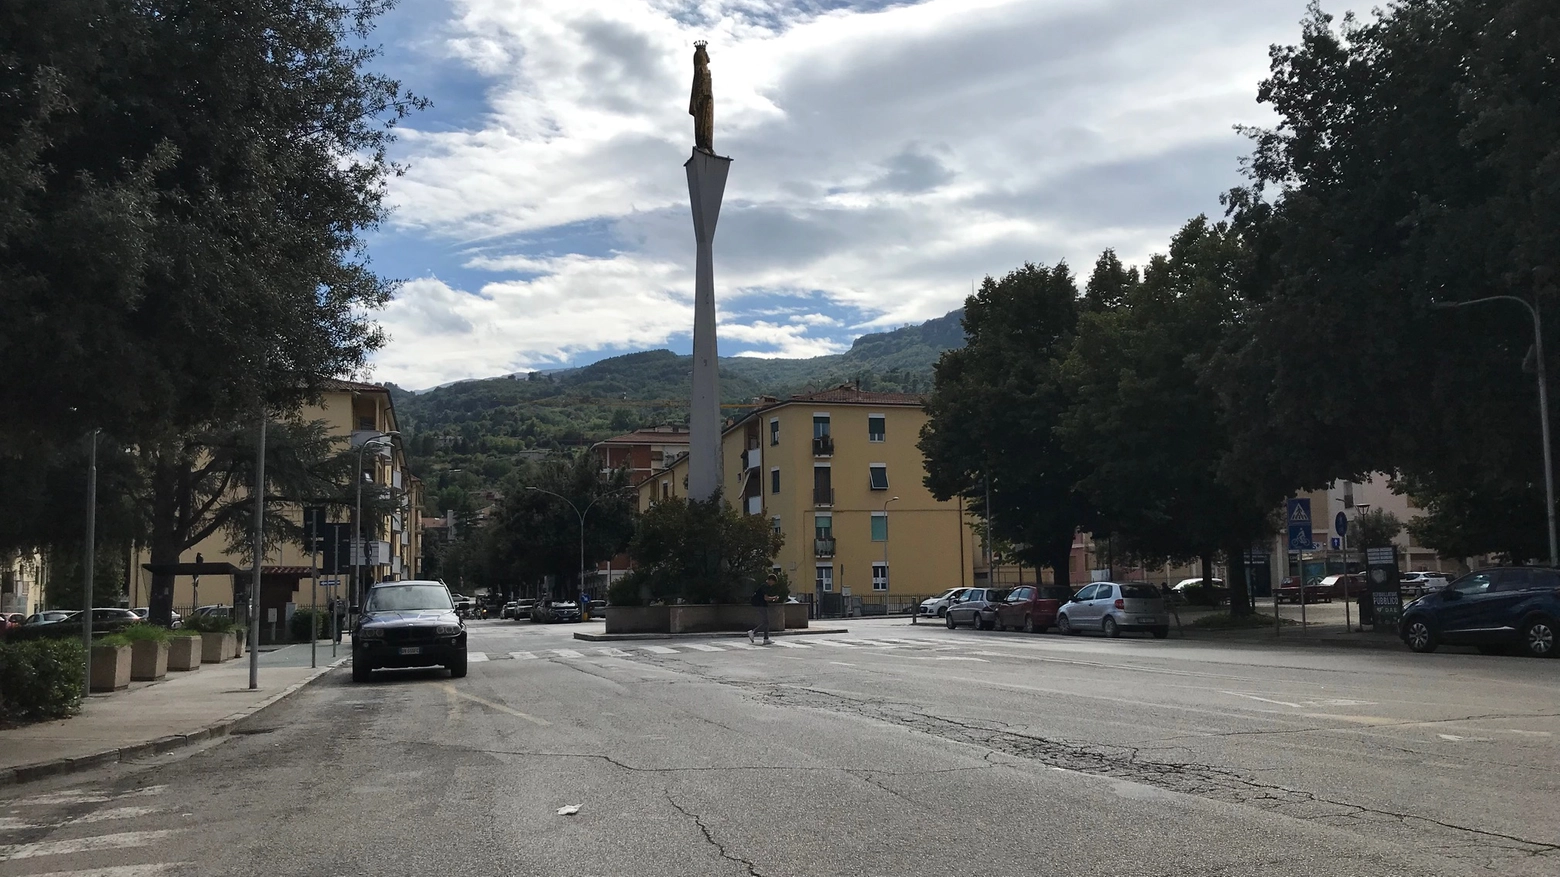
x: 885, y: 157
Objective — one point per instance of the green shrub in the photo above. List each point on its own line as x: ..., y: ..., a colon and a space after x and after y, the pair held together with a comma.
x: 145, y: 632
x: 184, y: 631
x: 701, y: 551
x: 112, y: 639
x: 40, y: 680
x: 630, y: 590
x: 209, y: 623
x: 298, y: 628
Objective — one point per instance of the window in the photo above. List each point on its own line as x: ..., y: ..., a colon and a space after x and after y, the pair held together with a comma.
x: 823, y: 577
x: 1140, y: 592
x: 774, y: 480
x: 774, y: 430
x: 1472, y: 583
x: 666, y: 490
x: 823, y: 526
x: 879, y: 526
x: 820, y: 425
x: 1512, y: 580
x: 879, y: 576
x: 879, y: 476
x: 877, y: 427
x: 1020, y: 595
x: 774, y: 523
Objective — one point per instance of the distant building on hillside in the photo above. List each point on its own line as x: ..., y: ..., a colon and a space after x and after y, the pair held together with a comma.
x: 644, y: 451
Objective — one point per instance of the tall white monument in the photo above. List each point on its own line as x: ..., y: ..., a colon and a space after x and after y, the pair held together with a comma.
x: 706, y: 186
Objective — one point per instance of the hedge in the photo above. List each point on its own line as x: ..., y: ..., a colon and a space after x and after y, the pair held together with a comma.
x: 40, y: 680
x: 299, y: 626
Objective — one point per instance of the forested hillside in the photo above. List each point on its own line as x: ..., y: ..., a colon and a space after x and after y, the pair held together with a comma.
x: 487, y: 427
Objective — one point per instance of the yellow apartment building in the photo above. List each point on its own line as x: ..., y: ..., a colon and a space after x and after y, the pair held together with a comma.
x: 838, y: 472
x: 355, y: 413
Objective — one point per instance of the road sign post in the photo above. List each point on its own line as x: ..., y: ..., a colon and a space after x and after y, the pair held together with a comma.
x: 1297, y: 512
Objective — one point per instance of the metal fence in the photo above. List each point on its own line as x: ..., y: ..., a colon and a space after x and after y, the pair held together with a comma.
x: 834, y: 605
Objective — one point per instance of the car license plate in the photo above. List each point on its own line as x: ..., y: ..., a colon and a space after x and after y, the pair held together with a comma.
x: 1149, y: 619
x: 411, y: 650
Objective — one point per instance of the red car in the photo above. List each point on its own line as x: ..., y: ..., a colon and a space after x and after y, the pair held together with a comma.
x: 1031, y: 608
x: 1315, y: 592
x: 9, y: 620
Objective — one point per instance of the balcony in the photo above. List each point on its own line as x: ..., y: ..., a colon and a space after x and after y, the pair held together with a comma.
x: 823, y: 446
x: 755, y: 505
x: 752, y: 458
x: 823, y: 548
x: 823, y: 496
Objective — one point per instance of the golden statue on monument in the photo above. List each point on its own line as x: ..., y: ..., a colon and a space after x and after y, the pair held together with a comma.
x: 701, y: 105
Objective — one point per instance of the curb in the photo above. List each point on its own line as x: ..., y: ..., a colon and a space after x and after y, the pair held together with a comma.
x: 616, y: 637
x: 1296, y: 638
x: 28, y: 773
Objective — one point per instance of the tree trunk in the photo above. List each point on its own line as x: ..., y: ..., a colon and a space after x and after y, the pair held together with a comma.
x: 1240, y: 595
x: 167, y: 542
x: 1059, y: 558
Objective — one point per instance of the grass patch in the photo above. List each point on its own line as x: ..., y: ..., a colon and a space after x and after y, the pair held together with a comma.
x: 1226, y: 621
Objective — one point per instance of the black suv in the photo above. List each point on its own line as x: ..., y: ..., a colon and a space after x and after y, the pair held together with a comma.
x: 408, y: 624
x: 1493, y: 609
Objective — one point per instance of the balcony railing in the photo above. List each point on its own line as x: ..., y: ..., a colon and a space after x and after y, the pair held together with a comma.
x: 823, y: 496
x: 823, y: 446
x: 823, y: 548
x: 755, y: 505
x: 752, y: 458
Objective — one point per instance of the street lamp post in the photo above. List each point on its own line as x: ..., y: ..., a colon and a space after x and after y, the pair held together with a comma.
x: 362, y: 547
x: 581, y: 515
x: 885, y: 540
x: 1543, y: 406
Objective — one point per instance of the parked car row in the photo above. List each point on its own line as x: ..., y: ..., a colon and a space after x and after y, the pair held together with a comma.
x: 1107, y: 608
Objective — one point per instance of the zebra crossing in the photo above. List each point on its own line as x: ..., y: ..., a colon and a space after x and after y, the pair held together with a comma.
x: 651, y: 650
x: 49, y: 835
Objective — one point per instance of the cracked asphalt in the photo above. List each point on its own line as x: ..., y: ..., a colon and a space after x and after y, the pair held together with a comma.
x: 891, y: 750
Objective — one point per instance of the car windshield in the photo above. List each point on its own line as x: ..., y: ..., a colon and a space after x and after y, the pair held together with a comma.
x: 402, y: 598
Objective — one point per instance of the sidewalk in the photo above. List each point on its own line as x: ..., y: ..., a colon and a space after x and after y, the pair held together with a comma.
x: 155, y: 717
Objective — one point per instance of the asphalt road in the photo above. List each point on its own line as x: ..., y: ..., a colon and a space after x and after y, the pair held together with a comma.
x: 890, y: 750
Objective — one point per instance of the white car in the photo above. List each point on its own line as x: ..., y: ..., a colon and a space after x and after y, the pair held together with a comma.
x: 143, y: 612
x: 1422, y: 582
x: 937, y: 606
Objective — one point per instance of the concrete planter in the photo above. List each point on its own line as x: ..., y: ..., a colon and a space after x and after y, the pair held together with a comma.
x: 795, y: 615
x: 110, y: 668
x: 217, y: 647
x: 638, y: 619
x: 148, y: 660
x: 184, y: 653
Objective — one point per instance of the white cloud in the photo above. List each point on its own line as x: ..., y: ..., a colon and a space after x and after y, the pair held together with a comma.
x: 884, y: 159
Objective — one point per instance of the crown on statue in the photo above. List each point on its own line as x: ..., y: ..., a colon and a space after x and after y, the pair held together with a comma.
x: 699, y: 44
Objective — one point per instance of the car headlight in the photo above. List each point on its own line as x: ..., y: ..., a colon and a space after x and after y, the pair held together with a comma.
x: 372, y: 633
x: 448, y: 629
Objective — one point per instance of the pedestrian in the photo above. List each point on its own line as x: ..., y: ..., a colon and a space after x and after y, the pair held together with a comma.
x: 761, y: 600
x: 340, y: 609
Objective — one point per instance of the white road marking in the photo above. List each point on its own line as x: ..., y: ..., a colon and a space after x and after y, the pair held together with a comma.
x: 835, y: 643
x: 659, y: 650
x: 1263, y: 699
x: 491, y: 705
x: 11, y: 823
x: 522, y: 656
x: 743, y: 646
x: 476, y: 657
x: 122, y: 840
x: 113, y: 813
x: 120, y: 871
x: 612, y: 653
x: 870, y: 642
x: 701, y: 647
x: 785, y: 645
x: 82, y: 796
x: 567, y: 653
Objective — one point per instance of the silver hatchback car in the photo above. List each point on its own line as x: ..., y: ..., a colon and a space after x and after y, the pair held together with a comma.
x: 1111, y: 608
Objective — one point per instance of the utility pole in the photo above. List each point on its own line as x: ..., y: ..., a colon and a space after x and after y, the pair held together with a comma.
x: 86, y: 596
x: 254, y: 595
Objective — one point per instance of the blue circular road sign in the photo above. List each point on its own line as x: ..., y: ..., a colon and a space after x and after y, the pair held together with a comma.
x: 1341, y: 524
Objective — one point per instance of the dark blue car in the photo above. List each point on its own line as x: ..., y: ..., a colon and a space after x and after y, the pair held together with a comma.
x: 408, y: 624
x: 1493, y: 609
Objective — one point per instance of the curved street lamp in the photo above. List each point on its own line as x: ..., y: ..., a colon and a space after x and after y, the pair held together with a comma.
x: 581, y: 515
x: 1543, y: 405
